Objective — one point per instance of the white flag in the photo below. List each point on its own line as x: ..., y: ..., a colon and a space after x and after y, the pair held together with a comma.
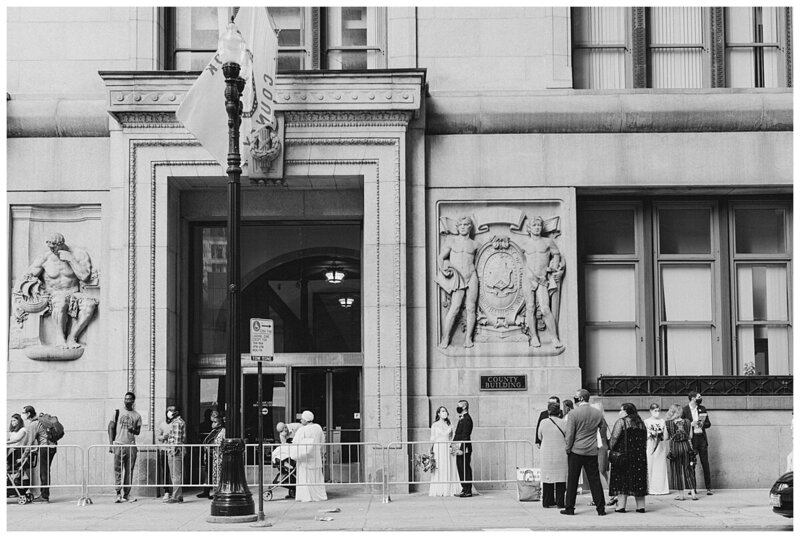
x: 203, y: 112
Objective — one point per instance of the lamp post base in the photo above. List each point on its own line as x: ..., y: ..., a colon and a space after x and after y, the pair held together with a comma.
x: 233, y: 500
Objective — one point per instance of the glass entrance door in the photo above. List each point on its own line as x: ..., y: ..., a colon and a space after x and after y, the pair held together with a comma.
x: 334, y: 396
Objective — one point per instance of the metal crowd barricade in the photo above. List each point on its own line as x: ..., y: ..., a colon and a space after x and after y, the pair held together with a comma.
x: 151, y: 468
x: 25, y: 465
x: 493, y: 463
x: 343, y: 464
x: 350, y: 464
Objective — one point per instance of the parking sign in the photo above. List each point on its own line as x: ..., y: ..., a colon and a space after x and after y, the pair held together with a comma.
x: 262, y: 340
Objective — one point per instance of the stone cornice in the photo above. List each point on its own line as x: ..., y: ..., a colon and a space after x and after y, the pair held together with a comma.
x: 627, y: 111
x: 364, y: 97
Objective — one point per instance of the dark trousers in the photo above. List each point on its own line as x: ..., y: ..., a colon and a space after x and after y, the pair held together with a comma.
x: 162, y: 472
x: 464, y: 466
x: 700, y: 445
x: 576, y: 462
x: 46, y: 455
x: 548, y: 499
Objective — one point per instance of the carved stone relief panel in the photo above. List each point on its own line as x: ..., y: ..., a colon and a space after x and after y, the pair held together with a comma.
x: 55, y: 293
x: 499, y: 276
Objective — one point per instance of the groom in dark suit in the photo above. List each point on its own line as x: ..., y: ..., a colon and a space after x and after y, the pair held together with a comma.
x: 698, y: 416
x: 464, y: 452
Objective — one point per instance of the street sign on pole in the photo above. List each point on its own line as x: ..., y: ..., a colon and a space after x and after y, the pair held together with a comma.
x: 262, y: 339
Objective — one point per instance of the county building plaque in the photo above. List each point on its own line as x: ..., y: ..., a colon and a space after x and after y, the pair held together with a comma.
x: 504, y: 382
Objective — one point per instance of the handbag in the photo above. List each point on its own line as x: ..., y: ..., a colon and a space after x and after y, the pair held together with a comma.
x: 529, y: 484
x: 618, y: 457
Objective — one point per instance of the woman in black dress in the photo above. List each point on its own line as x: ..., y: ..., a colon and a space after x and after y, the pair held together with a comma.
x: 629, y: 477
x: 681, y: 455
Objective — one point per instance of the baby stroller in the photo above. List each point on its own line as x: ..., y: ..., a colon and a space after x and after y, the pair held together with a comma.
x: 287, y: 470
x: 18, y: 468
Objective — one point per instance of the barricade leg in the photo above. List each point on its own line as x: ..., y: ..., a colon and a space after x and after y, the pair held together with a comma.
x: 386, y: 497
x: 85, y: 499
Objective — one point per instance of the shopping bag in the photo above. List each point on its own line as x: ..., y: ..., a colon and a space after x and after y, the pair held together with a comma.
x: 529, y: 484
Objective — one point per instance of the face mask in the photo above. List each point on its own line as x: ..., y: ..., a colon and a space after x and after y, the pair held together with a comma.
x: 170, y: 414
x: 622, y: 414
x: 459, y: 409
x: 443, y: 415
x: 129, y: 406
x: 698, y: 401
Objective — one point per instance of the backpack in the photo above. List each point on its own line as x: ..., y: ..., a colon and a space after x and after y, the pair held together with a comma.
x: 54, y: 429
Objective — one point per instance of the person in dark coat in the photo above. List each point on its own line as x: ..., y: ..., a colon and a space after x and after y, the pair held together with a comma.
x: 697, y: 415
x: 463, y: 448
x: 629, y: 476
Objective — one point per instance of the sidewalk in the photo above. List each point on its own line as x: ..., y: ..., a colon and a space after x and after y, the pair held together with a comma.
x: 494, y: 509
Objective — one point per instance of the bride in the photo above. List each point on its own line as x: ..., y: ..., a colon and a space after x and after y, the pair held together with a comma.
x: 444, y: 479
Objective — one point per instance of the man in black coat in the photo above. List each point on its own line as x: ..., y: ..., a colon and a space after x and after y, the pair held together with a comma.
x: 700, y: 424
x: 543, y: 416
x: 464, y: 451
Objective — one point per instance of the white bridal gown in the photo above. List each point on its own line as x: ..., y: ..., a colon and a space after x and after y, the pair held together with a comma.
x: 657, y: 479
x: 446, y: 471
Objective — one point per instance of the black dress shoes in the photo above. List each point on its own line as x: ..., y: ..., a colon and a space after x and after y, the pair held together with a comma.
x: 567, y: 512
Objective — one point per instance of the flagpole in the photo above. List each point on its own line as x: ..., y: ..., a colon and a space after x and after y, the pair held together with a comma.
x: 233, y: 501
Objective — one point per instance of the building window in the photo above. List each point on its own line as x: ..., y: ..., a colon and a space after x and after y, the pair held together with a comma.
x: 283, y: 279
x: 761, y: 271
x: 193, y: 33
x: 681, y: 47
x: 309, y: 37
x: 679, y: 288
x: 354, y: 37
x: 755, y: 47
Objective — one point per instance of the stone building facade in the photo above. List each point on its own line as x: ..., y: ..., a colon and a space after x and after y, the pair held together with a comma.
x: 483, y: 178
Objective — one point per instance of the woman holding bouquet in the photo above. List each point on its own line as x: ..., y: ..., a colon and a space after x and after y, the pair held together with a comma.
x: 680, y: 453
x: 657, y: 479
x: 444, y: 474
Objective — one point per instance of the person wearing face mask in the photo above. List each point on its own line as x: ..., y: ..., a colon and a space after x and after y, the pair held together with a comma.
x: 162, y: 463
x: 463, y: 448
x: 175, y: 439
x: 122, y: 432
x: 657, y: 448
x: 698, y: 416
x: 444, y: 478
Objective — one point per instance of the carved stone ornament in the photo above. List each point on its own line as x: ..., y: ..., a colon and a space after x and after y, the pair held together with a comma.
x: 265, y: 151
x: 500, y: 275
x: 59, y: 290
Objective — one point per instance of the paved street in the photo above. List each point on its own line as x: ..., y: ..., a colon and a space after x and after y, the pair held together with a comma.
x: 726, y: 510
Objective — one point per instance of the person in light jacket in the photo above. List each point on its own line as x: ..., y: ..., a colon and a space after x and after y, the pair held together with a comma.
x: 310, y: 477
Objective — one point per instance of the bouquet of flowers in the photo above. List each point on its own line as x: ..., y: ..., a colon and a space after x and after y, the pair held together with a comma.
x: 426, y: 461
x: 655, y: 431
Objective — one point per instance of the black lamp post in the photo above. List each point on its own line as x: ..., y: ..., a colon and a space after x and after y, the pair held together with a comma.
x: 233, y: 499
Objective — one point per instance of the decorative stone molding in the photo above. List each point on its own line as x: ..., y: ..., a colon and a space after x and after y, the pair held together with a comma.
x: 159, y: 93
x: 332, y: 118
x: 148, y: 120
